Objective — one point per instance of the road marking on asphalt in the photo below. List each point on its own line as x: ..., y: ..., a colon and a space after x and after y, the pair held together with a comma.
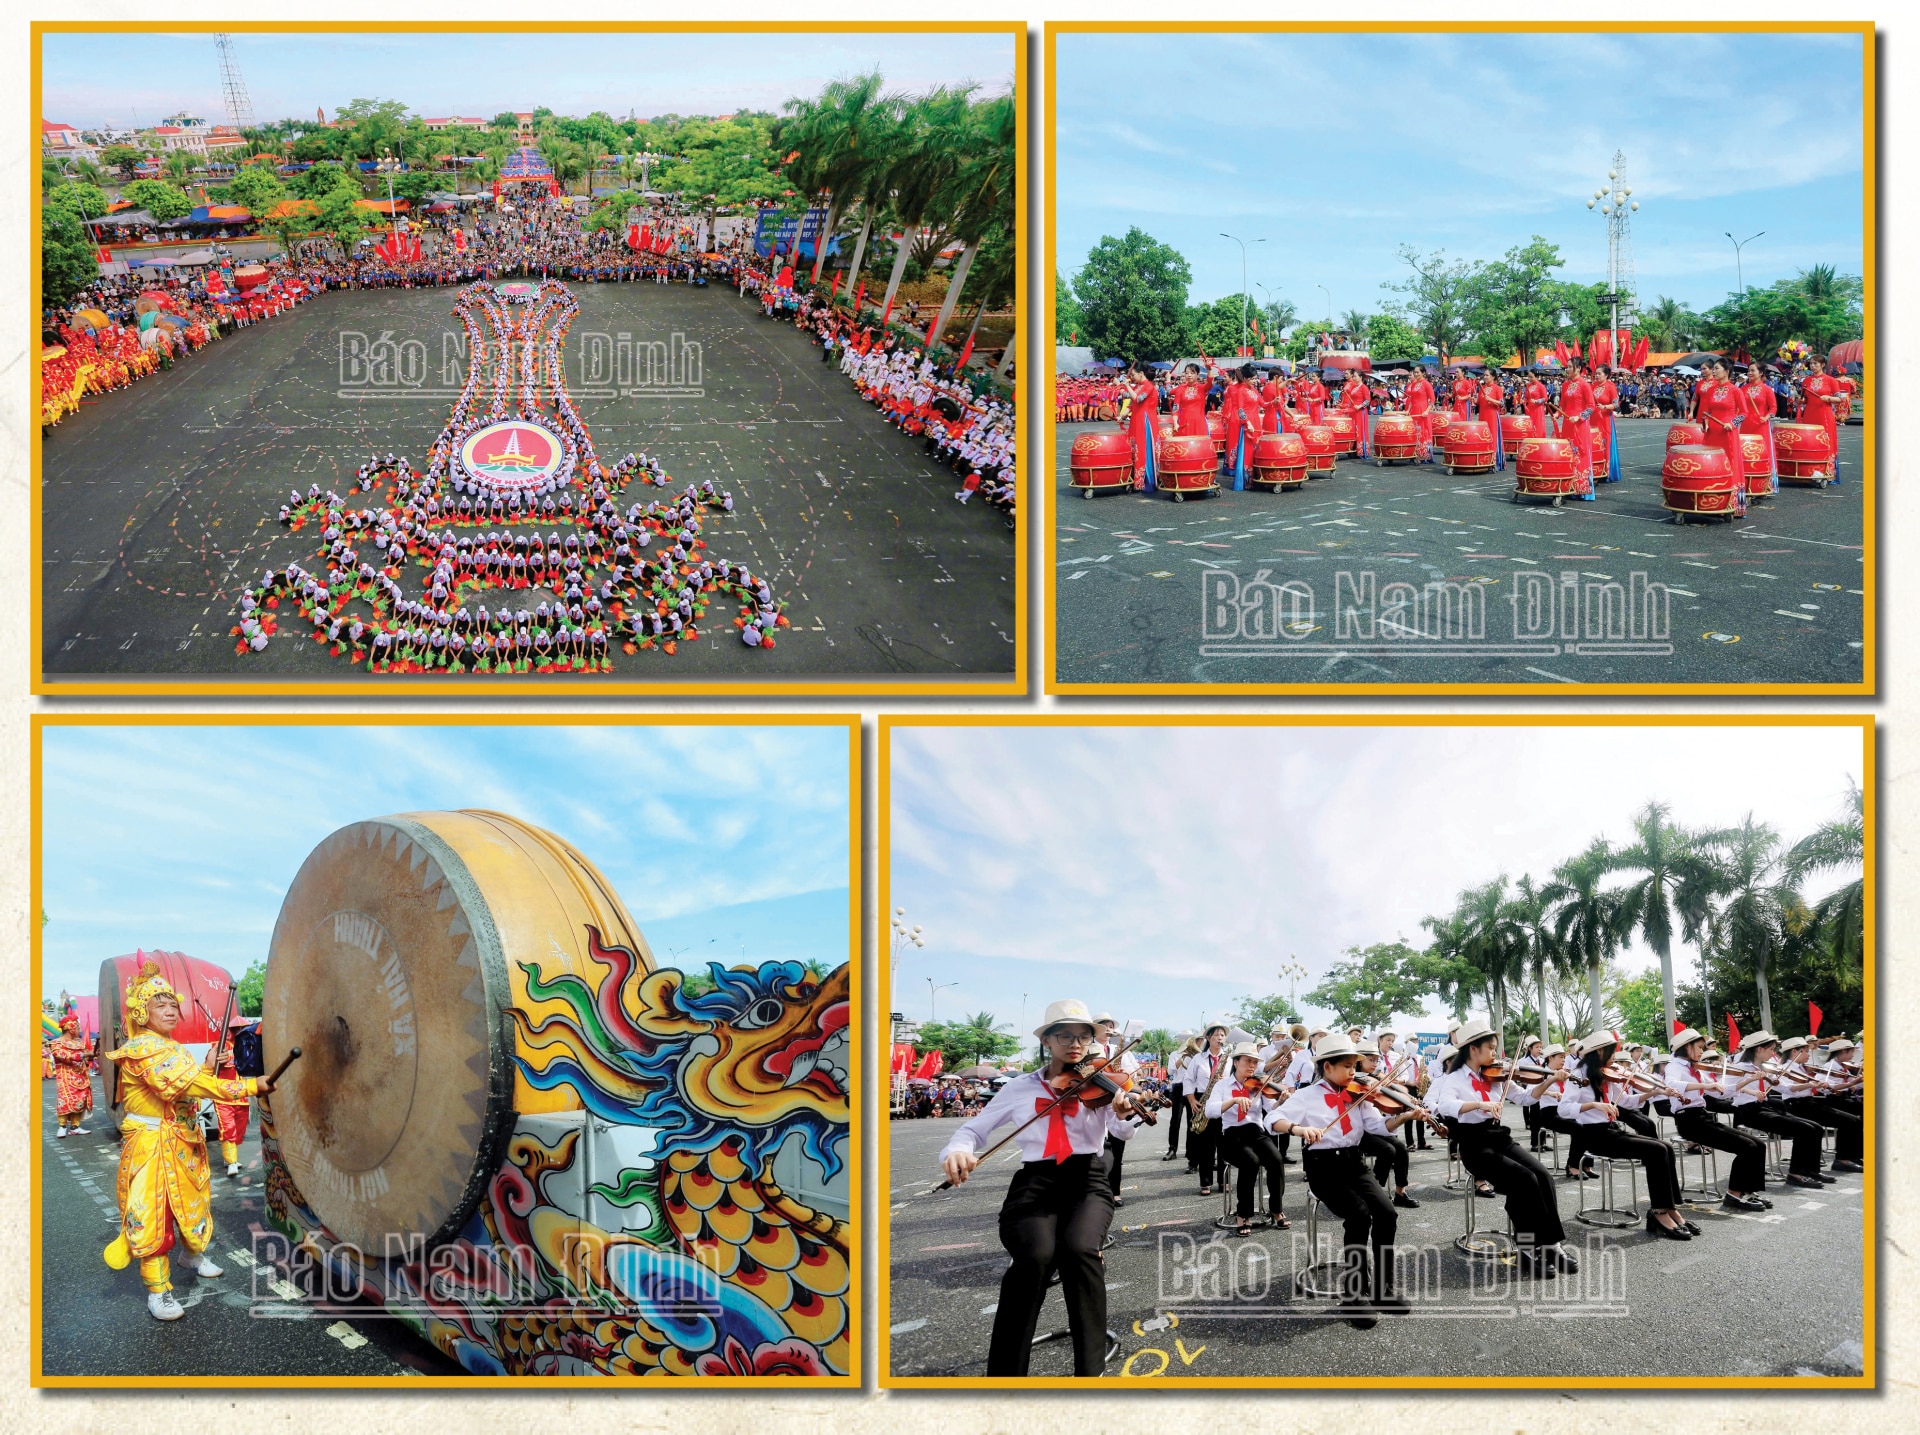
x: 346, y: 1335
x: 1684, y: 1262
x: 1545, y: 674
x: 1789, y: 613
x: 906, y: 1325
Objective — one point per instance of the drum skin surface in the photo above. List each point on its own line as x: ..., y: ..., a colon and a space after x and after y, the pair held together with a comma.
x: 393, y: 967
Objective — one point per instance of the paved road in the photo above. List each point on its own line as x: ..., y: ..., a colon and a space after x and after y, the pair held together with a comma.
x: 1774, y: 598
x: 159, y: 502
x: 1777, y: 1294
x: 94, y: 1319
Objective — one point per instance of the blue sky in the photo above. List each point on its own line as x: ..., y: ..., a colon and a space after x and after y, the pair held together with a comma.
x: 1338, y: 149
x: 1165, y: 872
x: 719, y: 839
x: 107, y: 79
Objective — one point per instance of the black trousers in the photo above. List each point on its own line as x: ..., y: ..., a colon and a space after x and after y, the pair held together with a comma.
x: 1054, y: 1218
x: 1389, y: 1157
x: 1116, y: 1158
x: 1176, y: 1119
x: 1251, y: 1149
x: 1620, y: 1143
x: 1530, y: 1118
x: 1849, y: 1135
x: 1777, y: 1121
x: 1748, y: 1174
x: 1204, y: 1151
x: 1550, y: 1119
x: 1344, y: 1185
x: 1488, y: 1151
x: 1419, y: 1135
x: 1637, y: 1121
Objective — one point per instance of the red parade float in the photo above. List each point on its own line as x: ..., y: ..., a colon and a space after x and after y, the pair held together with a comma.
x: 1803, y: 454
x: 1468, y: 447
x: 1280, y: 461
x: 1697, y: 480
x: 1685, y: 433
x: 1396, y: 439
x: 1187, y: 464
x: 1547, y: 468
x: 1345, y: 436
x: 1101, y: 461
x: 1319, y: 443
x: 1516, y: 429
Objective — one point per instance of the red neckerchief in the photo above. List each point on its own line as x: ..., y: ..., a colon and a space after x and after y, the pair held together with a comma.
x: 1059, y: 1146
x: 1248, y: 1091
x: 1480, y: 1087
x: 1338, y: 1101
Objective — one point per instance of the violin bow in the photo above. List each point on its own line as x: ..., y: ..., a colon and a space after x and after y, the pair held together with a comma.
x: 1047, y: 1110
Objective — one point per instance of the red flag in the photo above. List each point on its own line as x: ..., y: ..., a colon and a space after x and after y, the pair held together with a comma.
x: 930, y: 1065
x: 1560, y: 352
x: 884, y: 313
x: 1813, y: 1019
x: 903, y: 1055
x: 966, y: 353
x: 1678, y: 1027
x: 1640, y: 352
x: 1733, y: 1034
x: 633, y: 237
x: 858, y: 295
x: 834, y: 293
x: 932, y: 324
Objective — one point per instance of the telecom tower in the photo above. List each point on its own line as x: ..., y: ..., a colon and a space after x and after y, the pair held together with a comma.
x: 239, y: 106
x: 1616, y: 203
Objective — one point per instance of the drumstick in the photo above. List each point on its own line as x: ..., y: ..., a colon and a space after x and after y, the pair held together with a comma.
x: 273, y: 1077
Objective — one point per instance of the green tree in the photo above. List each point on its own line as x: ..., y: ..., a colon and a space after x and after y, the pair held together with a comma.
x: 121, y: 157
x: 1435, y: 298
x: 1215, y: 329
x: 1371, y: 985
x: 837, y: 139
x: 324, y: 179
x: 1258, y: 1014
x: 1640, y: 1004
x: 341, y: 216
x: 80, y: 200
x: 1514, y: 304
x: 962, y: 1043
x: 250, y: 992
x: 1391, y: 337
x: 1156, y: 1042
x: 1067, y: 320
x: 67, y: 263
x: 1492, y: 943
x: 1530, y: 910
x: 372, y: 126
x: 162, y: 200
x: 1673, y: 895
x: 256, y: 187
x: 1841, y: 915
x: 1589, y: 920
x: 1670, y: 326
x: 1133, y: 298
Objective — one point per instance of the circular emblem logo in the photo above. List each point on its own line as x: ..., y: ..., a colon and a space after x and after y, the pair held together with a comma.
x: 513, y: 454
x: 518, y: 291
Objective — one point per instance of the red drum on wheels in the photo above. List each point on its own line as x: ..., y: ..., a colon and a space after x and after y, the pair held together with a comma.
x: 1320, y: 446
x: 1697, y: 479
x: 1101, y: 461
x: 1396, y: 439
x: 1468, y: 447
x: 1678, y: 434
x: 1217, y: 431
x: 1546, y: 468
x: 1516, y: 429
x: 1756, y: 463
x: 1340, y: 424
x: 1803, y: 454
x: 1280, y: 459
x: 1187, y: 464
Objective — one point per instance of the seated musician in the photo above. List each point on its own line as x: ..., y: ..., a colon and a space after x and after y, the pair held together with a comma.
x: 1589, y: 1100
x: 1243, y: 1105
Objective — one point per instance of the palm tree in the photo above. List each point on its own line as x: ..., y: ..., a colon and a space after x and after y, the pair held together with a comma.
x: 1494, y: 946
x: 1840, y: 917
x: 1451, y: 975
x: 1530, y: 912
x: 1355, y: 323
x: 839, y: 138
x: 1587, y: 920
x: 983, y: 191
x: 929, y: 155
x: 1680, y: 879
x: 1763, y: 911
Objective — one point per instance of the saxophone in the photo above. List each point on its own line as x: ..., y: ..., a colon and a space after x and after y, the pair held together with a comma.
x: 1199, y: 1124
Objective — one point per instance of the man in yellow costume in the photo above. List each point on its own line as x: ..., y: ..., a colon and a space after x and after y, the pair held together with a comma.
x: 165, y: 1187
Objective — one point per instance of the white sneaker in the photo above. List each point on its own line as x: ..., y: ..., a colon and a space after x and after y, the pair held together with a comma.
x: 162, y: 1306
x: 62, y: 1134
x: 233, y: 1168
x: 79, y: 1131
x: 205, y: 1267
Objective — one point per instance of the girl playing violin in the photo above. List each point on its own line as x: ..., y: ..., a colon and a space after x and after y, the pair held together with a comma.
x: 1588, y: 1099
x: 1242, y: 1106
x: 1389, y: 1152
x: 1690, y: 1083
x: 1059, y: 1205
x: 1331, y: 1121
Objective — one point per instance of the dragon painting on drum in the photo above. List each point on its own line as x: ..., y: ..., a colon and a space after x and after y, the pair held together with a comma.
x: 628, y: 1176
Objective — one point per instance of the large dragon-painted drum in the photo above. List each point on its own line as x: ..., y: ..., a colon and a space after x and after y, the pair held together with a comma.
x: 1187, y: 464
x: 1217, y: 431
x: 1678, y: 434
x: 1319, y: 443
x: 1698, y: 479
x: 1803, y: 454
x: 1280, y: 459
x: 1166, y: 425
x: 1396, y: 439
x: 1346, y: 435
x: 1546, y: 468
x: 1756, y: 464
x: 202, y: 986
x: 494, y: 1071
x: 1468, y: 447
x: 1516, y: 429
x: 1442, y: 420
x: 1101, y: 461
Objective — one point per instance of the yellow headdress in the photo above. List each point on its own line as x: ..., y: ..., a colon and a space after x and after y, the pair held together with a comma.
x: 147, y: 984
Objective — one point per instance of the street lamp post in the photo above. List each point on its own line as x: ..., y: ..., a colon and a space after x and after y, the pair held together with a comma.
x: 1291, y: 971
x: 933, y: 990
x: 387, y: 164
x: 1243, y: 281
x: 1739, y: 274
x: 904, y: 934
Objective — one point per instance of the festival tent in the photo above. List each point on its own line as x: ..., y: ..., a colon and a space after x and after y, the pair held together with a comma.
x: 124, y: 219
x: 383, y: 206
x: 294, y: 209
x: 193, y: 258
x: 219, y: 214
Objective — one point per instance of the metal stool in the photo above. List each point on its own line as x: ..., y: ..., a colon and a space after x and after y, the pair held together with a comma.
x: 1609, y: 1213
x: 1228, y: 1219
x: 1708, y: 1187
x: 1456, y: 1175
x: 1113, y: 1337
x: 1484, y: 1245
x: 1779, y: 1159
x: 1320, y: 1278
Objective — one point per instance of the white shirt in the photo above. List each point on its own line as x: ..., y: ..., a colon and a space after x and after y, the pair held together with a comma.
x: 1226, y: 1109
x: 1200, y: 1072
x: 1315, y: 1105
x: 1300, y: 1071
x: 1809, y: 1075
x: 1737, y: 1072
x: 1576, y: 1094
x: 1120, y: 1128
x: 1680, y: 1074
x: 1452, y: 1090
x: 1015, y: 1102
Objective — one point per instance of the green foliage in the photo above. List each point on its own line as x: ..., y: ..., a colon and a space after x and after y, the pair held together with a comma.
x: 323, y: 179
x: 1372, y: 984
x: 1642, y: 1009
x: 1133, y: 298
x: 1670, y: 326
x: 342, y: 217
x: 1067, y: 319
x: 77, y: 200
x: 1156, y: 1042
x: 1760, y: 320
x: 162, y: 200
x: 1215, y: 329
x: 1258, y: 1014
x: 67, y: 263
x: 1390, y: 337
x: 256, y: 187
x: 372, y: 126
x: 415, y: 185
x: 121, y: 157
x: 249, y: 993
x: 1435, y: 299
x: 1514, y: 304
x: 963, y: 1043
